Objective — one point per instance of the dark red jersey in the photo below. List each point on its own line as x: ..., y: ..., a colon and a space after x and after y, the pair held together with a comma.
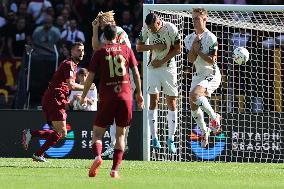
x: 112, y: 63
x: 58, y: 84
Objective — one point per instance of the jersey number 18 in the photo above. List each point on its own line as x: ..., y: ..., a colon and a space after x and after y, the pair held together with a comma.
x: 116, y: 65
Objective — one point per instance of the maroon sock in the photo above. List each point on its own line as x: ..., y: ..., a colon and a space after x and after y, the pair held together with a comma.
x: 41, y: 133
x: 117, y: 158
x: 50, y: 141
x: 97, y: 149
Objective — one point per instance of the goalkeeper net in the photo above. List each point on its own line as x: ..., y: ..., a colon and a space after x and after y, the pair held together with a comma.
x: 250, y: 97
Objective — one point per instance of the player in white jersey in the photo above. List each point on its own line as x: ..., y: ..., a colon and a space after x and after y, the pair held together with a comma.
x: 202, y: 53
x: 103, y: 19
x: 164, y: 45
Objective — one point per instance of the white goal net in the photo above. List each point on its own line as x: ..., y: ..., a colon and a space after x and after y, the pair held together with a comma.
x: 250, y: 98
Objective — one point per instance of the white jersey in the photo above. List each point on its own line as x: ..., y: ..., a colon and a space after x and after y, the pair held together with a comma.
x: 208, y: 45
x: 92, y: 94
x: 168, y: 34
x: 121, y: 37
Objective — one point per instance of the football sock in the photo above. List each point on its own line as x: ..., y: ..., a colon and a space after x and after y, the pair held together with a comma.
x: 112, y: 132
x: 52, y: 139
x: 152, y: 118
x: 198, y: 116
x: 204, y: 104
x: 117, y: 158
x: 172, y: 123
x: 97, y: 148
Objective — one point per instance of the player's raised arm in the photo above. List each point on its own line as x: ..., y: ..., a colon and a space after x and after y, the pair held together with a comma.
x: 95, y: 37
x: 100, y: 21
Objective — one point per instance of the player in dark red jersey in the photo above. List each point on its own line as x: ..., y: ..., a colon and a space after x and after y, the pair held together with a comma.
x: 112, y: 63
x: 54, y: 102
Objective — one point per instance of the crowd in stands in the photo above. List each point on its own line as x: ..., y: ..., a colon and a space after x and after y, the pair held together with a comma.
x: 60, y: 22
x: 50, y: 23
x: 65, y: 21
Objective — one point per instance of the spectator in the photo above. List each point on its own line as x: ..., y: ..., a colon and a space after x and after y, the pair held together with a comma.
x: 72, y: 34
x: 18, y: 36
x: 66, y: 15
x: 91, y: 97
x: 38, y: 10
x: 126, y: 22
x: 10, y: 22
x: 22, y: 12
x: 60, y: 23
x: 47, y: 35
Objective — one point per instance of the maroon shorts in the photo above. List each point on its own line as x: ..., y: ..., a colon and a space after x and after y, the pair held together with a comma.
x: 120, y: 110
x: 53, y: 107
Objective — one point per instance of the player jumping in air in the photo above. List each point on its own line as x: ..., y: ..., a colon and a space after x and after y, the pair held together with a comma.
x: 202, y: 53
x: 164, y: 45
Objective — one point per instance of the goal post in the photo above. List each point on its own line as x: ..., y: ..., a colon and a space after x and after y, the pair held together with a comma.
x: 250, y: 98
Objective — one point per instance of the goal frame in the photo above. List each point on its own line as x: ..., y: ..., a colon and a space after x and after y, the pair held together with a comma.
x: 147, y: 8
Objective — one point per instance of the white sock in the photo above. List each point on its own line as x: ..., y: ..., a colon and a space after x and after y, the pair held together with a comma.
x: 172, y: 123
x: 112, y: 132
x: 198, y: 116
x: 152, y: 120
x: 204, y: 104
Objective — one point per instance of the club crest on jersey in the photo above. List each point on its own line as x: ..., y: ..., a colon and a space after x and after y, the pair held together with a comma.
x: 117, y: 89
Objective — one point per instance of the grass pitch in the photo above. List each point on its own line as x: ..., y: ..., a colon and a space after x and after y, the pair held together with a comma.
x: 73, y: 174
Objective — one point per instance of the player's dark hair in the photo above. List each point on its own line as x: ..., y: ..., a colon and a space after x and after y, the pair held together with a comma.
x: 151, y: 18
x: 83, y: 71
x: 76, y: 44
x: 110, y: 32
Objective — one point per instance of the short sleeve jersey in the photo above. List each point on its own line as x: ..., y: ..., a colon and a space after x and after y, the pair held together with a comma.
x: 168, y: 34
x: 58, y: 84
x: 209, y: 45
x: 112, y: 62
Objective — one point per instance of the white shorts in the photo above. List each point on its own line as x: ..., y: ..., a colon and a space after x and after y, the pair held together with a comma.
x: 165, y: 77
x: 209, y: 82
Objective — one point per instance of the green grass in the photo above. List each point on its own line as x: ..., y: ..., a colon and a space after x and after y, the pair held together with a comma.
x: 72, y: 174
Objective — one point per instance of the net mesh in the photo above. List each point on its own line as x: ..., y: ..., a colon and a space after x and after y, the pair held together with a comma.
x: 249, y: 99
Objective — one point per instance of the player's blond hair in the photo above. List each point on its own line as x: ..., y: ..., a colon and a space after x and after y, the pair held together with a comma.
x: 202, y: 11
x: 107, y: 17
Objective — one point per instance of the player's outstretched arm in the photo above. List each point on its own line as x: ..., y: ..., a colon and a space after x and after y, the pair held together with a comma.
x: 72, y: 85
